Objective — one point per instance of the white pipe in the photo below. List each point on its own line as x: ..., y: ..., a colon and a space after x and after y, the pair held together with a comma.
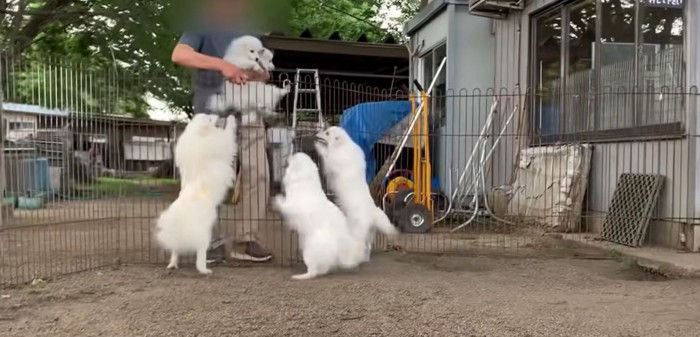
x: 482, y: 135
x: 397, y: 151
x: 482, y: 174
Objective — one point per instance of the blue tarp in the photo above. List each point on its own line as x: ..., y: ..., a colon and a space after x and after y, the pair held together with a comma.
x: 367, y: 123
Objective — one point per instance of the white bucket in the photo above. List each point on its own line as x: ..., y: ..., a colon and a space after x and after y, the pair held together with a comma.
x: 280, y: 140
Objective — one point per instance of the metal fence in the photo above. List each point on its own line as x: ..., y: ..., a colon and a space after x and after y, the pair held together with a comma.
x: 83, y: 181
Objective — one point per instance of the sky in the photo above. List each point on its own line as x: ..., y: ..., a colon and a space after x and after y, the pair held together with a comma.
x: 159, y: 111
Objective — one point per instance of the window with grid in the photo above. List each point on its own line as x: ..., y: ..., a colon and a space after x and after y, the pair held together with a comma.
x: 431, y: 62
x: 608, y: 68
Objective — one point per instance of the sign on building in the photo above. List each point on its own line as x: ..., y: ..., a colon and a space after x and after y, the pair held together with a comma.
x: 664, y: 3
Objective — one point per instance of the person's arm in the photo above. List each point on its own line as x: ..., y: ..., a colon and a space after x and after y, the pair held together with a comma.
x: 186, y: 54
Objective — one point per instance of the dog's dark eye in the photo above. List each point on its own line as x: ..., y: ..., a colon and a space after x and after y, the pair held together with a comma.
x: 252, y: 51
x: 328, y: 133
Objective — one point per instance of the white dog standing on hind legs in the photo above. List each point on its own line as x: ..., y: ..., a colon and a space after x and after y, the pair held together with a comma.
x: 187, y: 151
x: 324, y: 237
x: 344, y: 168
x: 207, y: 154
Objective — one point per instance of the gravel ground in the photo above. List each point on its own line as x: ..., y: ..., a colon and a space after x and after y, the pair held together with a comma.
x: 395, y: 295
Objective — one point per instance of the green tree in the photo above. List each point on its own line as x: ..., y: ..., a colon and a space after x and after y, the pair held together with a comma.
x: 97, y: 56
x: 351, y: 18
x: 102, y: 56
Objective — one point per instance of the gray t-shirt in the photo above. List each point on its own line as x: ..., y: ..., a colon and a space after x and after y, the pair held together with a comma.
x: 210, y: 42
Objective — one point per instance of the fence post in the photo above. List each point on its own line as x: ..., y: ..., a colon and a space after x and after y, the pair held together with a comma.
x: 2, y: 151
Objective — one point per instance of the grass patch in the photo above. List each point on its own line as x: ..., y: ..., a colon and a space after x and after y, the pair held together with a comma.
x: 125, y: 187
x: 142, y: 181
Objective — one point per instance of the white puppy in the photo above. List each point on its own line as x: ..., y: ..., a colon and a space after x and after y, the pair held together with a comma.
x: 325, y: 239
x: 252, y: 98
x: 344, y: 169
x: 265, y: 59
x: 245, y: 52
x: 186, y: 225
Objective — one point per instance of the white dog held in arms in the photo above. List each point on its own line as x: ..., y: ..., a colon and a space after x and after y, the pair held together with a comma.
x: 324, y: 236
x: 207, y: 158
x: 247, y: 52
x: 344, y: 168
x: 252, y: 98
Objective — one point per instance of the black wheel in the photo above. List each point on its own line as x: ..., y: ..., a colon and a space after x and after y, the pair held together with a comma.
x: 415, y: 218
x: 401, y: 199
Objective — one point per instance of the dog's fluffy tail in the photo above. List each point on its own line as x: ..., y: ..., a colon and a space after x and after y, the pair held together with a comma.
x: 186, y: 225
x: 382, y: 223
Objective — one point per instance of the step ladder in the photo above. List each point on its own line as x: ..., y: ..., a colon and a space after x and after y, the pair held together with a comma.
x: 299, y: 90
x: 283, y: 140
x: 298, y: 108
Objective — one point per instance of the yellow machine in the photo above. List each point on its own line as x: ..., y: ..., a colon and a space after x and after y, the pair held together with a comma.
x: 421, y: 155
x: 397, y: 185
x: 414, y: 208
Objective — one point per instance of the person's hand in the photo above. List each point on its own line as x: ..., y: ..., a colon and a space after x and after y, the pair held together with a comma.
x: 254, y: 75
x: 233, y: 74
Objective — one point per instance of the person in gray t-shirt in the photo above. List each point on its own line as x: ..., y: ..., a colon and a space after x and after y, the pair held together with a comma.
x: 202, y: 49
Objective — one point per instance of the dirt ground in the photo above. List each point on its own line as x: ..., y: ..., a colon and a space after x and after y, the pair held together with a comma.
x: 74, y: 236
x: 396, y: 294
x: 512, y: 284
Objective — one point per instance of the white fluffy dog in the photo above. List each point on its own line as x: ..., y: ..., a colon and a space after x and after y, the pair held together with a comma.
x: 265, y: 59
x: 246, y: 52
x: 206, y: 158
x: 252, y: 98
x: 188, y: 153
x: 344, y: 169
x: 325, y: 239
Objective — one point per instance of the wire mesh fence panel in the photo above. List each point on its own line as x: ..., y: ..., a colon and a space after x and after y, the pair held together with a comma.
x: 506, y: 171
x: 85, y: 174
x: 83, y: 180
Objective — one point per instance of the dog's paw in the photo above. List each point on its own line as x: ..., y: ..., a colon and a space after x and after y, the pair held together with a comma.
x: 286, y: 86
x: 301, y: 277
x: 205, y: 271
x: 257, y: 67
x: 393, y: 232
x: 172, y: 266
x: 231, y: 123
x: 278, y: 202
x: 217, y: 103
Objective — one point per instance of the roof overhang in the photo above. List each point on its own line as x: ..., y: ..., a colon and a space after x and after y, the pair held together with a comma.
x: 311, y: 45
x: 429, y: 12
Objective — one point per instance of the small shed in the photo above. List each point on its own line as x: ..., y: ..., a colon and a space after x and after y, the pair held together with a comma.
x: 348, y: 70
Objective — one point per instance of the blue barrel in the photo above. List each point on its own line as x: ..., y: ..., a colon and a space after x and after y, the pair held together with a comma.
x: 38, y: 175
